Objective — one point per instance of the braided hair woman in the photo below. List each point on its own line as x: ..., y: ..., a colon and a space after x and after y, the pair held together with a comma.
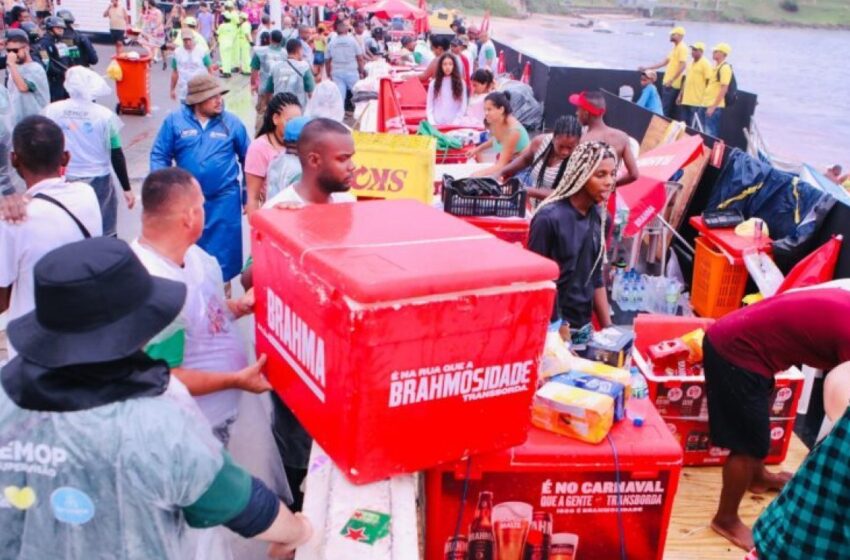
x: 568, y: 228
x: 546, y: 158
x: 267, y: 145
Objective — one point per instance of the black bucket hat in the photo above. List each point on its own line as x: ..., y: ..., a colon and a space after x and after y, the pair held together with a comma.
x: 94, y: 302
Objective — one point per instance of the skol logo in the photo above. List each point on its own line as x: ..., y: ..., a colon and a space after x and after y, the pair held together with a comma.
x: 379, y: 180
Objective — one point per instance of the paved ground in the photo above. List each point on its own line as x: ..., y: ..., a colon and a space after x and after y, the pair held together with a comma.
x: 252, y: 444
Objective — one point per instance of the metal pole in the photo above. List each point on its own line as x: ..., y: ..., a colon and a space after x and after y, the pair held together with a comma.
x: 275, y: 12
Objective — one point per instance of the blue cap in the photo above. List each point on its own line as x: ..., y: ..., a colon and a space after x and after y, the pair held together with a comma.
x: 293, y: 129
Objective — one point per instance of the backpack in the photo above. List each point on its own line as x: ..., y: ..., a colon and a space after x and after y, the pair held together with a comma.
x: 732, y: 93
x: 287, y: 78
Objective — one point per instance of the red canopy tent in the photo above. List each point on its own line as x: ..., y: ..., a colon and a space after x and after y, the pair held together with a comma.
x: 388, y: 9
x: 645, y: 198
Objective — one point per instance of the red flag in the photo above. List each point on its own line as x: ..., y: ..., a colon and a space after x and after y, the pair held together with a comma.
x: 526, y: 74
x: 501, y: 67
x: 816, y: 268
x: 390, y: 118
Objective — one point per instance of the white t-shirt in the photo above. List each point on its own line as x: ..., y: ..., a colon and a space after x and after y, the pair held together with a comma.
x: 211, y: 340
x: 290, y: 195
x: 47, y: 227
x: 91, y: 131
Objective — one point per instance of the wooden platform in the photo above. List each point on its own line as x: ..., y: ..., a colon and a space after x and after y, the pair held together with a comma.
x: 690, y: 536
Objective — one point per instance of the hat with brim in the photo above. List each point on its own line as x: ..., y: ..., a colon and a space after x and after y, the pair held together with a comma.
x: 723, y: 47
x: 678, y: 31
x: 187, y: 34
x: 698, y: 46
x: 203, y: 87
x: 95, y: 302
x: 650, y: 74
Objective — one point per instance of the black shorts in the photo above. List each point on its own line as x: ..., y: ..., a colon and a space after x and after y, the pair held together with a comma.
x: 738, y: 405
x: 117, y: 35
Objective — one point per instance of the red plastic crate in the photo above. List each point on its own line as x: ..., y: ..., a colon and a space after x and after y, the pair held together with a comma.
x: 387, y: 320
x: 575, y: 483
x: 693, y: 435
x: 512, y: 230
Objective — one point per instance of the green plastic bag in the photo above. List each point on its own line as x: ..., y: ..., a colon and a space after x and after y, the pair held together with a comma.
x: 444, y: 143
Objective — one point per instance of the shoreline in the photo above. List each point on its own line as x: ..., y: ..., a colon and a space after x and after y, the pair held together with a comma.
x: 601, y: 14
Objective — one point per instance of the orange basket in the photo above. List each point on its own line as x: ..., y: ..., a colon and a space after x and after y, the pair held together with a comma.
x: 718, y: 286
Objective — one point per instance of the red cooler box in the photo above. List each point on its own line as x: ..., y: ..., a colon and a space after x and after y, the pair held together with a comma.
x: 558, y: 497
x: 693, y: 434
x: 512, y: 230
x: 400, y: 336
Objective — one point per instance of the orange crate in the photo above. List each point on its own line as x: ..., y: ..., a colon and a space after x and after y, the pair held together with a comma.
x: 718, y: 286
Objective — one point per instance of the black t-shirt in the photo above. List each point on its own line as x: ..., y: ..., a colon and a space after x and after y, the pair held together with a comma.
x: 561, y: 233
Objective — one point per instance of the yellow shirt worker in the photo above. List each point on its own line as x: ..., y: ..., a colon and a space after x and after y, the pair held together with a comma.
x: 692, y: 95
x: 715, y: 91
x: 674, y: 70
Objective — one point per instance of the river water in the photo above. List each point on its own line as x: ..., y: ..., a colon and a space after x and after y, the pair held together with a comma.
x: 801, y: 76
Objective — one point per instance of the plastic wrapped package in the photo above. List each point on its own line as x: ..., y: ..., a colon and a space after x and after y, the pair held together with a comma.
x: 326, y: 102
x: 604, y: 370
x: 573, y: 412
x: 556, y: 357
x: 616, y: 391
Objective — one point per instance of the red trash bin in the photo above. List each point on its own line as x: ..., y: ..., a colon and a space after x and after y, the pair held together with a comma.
x: 134, y: 88
x: 399, y: 336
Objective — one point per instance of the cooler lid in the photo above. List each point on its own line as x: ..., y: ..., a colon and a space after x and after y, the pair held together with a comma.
x: 386, y: 250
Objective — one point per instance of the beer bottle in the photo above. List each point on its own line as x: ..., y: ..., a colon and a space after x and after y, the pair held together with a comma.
x: 481, y: 538
x: 456, y: 548
x: 539, y: 539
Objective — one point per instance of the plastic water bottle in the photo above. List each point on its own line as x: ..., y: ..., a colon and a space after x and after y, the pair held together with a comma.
x: 617, y: 286
x: 639, y: 387
x: 671, y: 297
x: 641, y: 299
x: 629, y: 296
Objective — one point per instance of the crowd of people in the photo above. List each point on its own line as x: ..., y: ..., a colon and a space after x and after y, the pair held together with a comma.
x: 126, y: 362
x: 694, y: 90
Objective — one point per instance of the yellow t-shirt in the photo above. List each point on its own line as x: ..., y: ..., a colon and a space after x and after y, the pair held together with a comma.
x: 678, y: 55
x: 695, y: 83
x: 718, y: 77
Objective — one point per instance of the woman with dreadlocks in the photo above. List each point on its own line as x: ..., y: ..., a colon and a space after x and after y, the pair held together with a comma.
x: 546, y: 158
x: 568, y: 228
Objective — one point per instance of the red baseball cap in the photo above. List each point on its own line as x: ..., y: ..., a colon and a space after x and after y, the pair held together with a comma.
x: 581, y: 101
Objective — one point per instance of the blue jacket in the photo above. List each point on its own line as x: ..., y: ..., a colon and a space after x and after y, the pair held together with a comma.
x: 649, y: 99
x: 214, y: 156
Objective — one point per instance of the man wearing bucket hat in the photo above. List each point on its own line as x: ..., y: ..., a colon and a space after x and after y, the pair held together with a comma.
x: 719, y: 80
x: 115, y: 436
x: 691, y: 97
x: 674, y: 71
x: 210, y: 143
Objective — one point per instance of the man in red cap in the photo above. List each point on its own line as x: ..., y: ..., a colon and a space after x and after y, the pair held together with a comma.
x: 590, y: 110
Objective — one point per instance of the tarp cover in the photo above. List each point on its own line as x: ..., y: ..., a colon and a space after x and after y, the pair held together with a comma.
x: 792, y: 209
x: 524, y: 106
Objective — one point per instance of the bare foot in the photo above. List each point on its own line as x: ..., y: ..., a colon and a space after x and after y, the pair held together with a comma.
x: 769, y: 482
x: 735, y: 532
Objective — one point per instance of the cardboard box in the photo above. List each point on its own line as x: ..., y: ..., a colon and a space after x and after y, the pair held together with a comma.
x: 693, y: 435
x: 614, y: 352
x: 570, y: 482
x: 400, y: 336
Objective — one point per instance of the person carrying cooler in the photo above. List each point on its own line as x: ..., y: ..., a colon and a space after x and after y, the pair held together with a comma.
x: 131, y: 465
